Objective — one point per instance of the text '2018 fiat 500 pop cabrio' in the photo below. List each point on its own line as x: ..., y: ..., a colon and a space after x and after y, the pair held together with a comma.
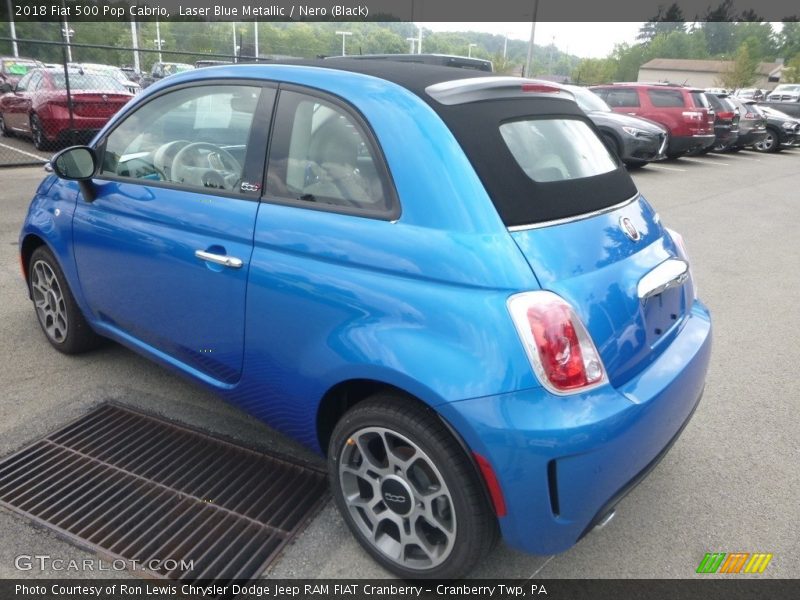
x: 441, y: 279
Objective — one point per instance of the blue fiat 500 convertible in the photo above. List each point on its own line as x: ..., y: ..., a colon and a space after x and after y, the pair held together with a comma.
x: 441, y: 279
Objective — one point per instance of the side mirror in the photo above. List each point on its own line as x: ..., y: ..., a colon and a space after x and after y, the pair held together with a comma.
x: 78, y: 163
x: 6, y: 87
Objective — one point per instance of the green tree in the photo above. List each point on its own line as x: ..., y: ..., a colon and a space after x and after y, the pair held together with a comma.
x: 594, y: 70
x: 791, y: 72
x: 743, y: 72
x: 665, y: 22
x: 719, y: 29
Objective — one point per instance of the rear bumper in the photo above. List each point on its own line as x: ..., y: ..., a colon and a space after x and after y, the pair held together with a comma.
x: 751, y: 137
x: 563, y: 462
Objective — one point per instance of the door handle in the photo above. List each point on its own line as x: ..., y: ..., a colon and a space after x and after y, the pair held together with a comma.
x: 219, y: 259
x: 670, y: 273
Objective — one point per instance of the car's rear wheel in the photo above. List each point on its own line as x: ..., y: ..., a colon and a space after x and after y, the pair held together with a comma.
x: 59, y: 316
x: 408, y: 491
x: 769, y: 143
x: 37, y: 134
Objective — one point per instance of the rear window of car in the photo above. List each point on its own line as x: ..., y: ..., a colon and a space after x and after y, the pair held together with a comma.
x: 556, y: 149
x: 86, y: 80
x: 700, y: 99
x: 665, y: 98
x: 539, y: 158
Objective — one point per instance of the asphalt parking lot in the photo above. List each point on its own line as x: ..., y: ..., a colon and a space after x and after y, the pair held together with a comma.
x: 730, y: 484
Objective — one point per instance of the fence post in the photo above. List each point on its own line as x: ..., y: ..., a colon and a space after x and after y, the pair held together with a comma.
x: 70, y: 108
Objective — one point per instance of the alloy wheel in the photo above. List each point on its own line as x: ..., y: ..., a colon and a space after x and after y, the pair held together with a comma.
x: 397, y: 498
x: 49, y: 302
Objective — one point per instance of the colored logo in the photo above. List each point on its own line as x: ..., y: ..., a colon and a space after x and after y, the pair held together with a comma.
x: 630, y: 229
x: 734, y: 562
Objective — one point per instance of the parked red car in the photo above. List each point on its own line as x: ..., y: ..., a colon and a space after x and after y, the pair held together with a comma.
x: 683, y: 111
x: 38, y: 107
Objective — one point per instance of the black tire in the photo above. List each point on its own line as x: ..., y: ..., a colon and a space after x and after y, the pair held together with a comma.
x: 612, y: 144
x: 770, y: 143
x: 61, y: 320
x: 37, y: 134
x: 635, y: 164
x: 5, y: 131
x: 674, y: 155
x: 414, y: 432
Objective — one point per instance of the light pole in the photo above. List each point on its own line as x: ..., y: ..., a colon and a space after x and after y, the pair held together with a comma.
x: 68, y: 32
x: 530, y: 42
x: 469, y: 50
x: 135, y: 40
x: 412, y: 41
x: 158, y: 41
x: 255, y: 31
x: 505, y: 47
x: 419, y: 39
x: 344, y: 35
x: 13, y: 29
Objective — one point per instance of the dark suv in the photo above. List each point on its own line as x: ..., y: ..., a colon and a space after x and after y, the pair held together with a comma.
x: 726, y: 121
x: 683, y: 111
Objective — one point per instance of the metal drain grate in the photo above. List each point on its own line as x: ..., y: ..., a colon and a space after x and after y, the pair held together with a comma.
x: 142, y: 489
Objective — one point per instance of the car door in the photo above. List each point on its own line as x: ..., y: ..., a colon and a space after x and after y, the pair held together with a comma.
x: 163, y: 249
x: 624, y: 100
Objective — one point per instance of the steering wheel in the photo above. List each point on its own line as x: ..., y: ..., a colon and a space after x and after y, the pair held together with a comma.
x: 164, y: 156
x: 216, y: 168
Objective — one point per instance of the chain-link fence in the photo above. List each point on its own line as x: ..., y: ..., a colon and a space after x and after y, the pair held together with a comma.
x: 45, y: 106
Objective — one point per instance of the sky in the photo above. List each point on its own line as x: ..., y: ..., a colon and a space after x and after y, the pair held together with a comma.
x: 587, y: 40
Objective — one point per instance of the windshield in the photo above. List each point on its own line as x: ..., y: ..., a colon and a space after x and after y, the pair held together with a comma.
x: 172, y: 68
x: 589, y: 101
x: 18, y: 67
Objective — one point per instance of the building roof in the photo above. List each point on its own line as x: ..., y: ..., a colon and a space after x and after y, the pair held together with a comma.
x: 701, y: 66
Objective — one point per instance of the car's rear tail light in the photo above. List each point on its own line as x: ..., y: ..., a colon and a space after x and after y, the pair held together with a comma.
x: 559, y: 348
x: 725, y: 114
x: 540, y: 87
x: 751, y: 115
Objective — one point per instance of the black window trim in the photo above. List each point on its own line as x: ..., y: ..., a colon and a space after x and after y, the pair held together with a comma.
x: 392, y: 213
x: 254, y: 158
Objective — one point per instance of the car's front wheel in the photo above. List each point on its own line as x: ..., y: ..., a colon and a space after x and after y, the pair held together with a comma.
x: 62, y: 321
x: 408, y: 491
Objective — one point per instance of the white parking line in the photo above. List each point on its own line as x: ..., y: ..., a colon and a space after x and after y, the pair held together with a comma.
x: 713, y: 161
x: 542, y: 566
x: 652, y: 166
x: 740, y: 157
x: 31, y: 154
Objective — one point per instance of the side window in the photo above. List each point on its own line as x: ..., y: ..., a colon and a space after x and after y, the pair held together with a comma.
x: 35, y: 82
x: 320, y: 154
x: 22, y: 84
x: 602, y: 92
x: 666, y: 98
x: 622, y: 97
x: 195, y: 137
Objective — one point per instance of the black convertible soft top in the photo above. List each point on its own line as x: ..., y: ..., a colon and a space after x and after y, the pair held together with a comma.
x: 473, y: 107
